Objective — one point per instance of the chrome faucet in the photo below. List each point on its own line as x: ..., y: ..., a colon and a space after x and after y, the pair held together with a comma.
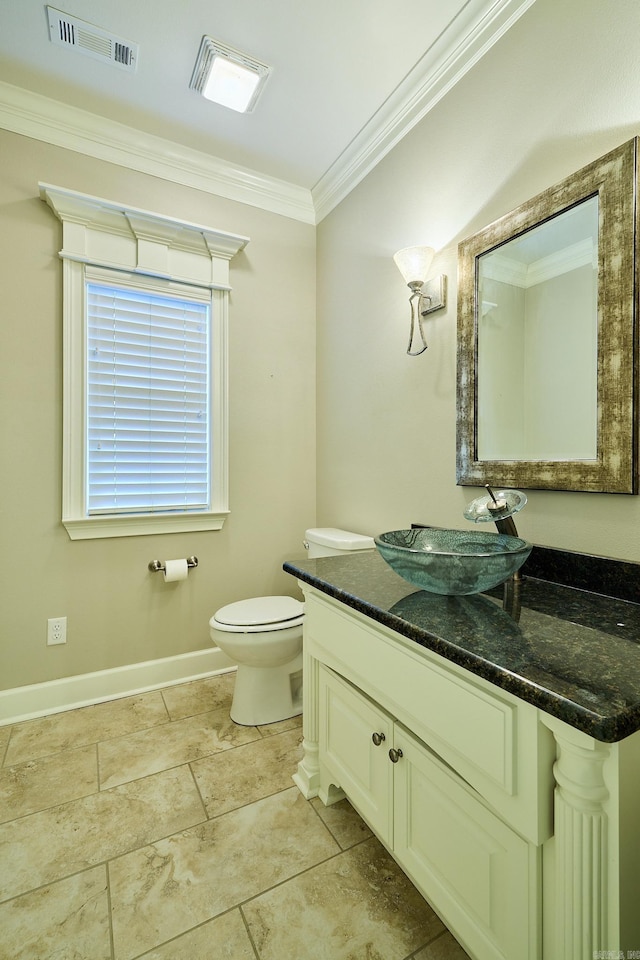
x: 500, y: 508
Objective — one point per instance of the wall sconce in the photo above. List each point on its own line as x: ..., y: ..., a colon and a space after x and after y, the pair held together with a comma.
x: 426, y: 295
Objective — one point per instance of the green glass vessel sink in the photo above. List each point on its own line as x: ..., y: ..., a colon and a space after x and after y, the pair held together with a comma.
x: 452, y: 562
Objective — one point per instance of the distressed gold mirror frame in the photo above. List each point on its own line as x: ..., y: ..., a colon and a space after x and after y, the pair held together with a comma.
x: 612, y: 179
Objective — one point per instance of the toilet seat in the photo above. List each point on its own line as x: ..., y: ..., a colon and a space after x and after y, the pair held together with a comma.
x: 259, y: 615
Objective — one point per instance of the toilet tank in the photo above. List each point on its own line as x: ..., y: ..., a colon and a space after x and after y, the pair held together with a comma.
x: 329, y: 542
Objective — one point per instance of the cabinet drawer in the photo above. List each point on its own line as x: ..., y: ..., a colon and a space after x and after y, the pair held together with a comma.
x: 461, y: 720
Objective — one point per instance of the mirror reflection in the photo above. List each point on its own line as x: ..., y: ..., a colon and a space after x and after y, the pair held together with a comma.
x: 537, y: 341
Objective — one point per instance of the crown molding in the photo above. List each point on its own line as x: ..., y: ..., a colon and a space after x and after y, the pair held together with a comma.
x: 477, y: 27
x: 474, y: 31
x: 41, y: 118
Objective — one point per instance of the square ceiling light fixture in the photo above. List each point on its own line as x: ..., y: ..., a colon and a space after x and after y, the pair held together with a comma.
x: 227, y: 76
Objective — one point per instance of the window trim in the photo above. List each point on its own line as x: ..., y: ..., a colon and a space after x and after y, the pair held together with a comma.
x: 100, y: 237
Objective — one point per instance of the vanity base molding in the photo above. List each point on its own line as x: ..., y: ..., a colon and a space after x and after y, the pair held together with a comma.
x: 508, y: 821
x: 307, y: 776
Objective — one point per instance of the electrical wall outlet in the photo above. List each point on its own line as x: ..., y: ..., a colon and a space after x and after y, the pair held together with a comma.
x: 56, y: 630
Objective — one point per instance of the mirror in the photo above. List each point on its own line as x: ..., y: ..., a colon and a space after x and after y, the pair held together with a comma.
x: 546, y: 345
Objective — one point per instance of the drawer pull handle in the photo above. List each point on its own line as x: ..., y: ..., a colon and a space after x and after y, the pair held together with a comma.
x: 395, y: 755
x: 377, y: 738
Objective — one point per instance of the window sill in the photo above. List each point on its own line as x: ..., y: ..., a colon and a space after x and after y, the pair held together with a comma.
x: 94, y: 528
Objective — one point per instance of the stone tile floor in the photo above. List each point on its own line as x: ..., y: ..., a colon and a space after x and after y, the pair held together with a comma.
x: 154, y: 827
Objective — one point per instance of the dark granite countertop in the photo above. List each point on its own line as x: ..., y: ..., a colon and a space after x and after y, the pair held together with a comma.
x: 573, y: 653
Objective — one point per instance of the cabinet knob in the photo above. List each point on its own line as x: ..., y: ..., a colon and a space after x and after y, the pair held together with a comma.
x: 377, y: 738
x: 395, y: 755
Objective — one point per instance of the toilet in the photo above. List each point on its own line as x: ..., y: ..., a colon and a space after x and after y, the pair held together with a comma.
x: 263, y: 635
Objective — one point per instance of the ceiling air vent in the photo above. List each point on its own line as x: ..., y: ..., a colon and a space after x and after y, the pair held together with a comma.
x: 66, y: 31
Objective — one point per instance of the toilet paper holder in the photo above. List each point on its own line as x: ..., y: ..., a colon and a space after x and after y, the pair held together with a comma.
x: 156, y: 565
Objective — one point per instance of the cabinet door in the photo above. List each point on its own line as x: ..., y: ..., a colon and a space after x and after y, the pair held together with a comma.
x: 349, y: 757
x: 478, y: 874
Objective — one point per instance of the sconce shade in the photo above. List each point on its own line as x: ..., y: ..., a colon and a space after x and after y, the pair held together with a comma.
x: 413, y: 263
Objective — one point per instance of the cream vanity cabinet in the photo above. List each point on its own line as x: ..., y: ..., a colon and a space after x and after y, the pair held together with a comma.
x: 440, y: 766
x: 462, y: 857
x: 522, y: 832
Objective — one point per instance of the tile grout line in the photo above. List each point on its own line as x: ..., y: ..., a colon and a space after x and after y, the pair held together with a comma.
x: 175, y: 766
x: 97, y: 753
x: 328, y: 807
x: 198, y: 926
x: 317, y: 813
x: 50, y: 883
x: 199, y: 792
x: 6, y: 747
x: 166, y: 708
x: 110, y: 911
x: 254, y: 946
x: 432, y: 940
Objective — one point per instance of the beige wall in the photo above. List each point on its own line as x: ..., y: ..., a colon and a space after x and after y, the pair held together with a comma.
x: 559, y: 90
x: 119, y: 613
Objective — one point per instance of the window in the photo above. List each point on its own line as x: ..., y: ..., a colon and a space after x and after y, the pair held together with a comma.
x: 145, y: 370
x: 147, y: 402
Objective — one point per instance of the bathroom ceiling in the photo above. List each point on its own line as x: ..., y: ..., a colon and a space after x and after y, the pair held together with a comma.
x: 349, y: 76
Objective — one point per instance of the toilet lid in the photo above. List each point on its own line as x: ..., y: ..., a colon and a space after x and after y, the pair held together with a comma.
x: 260, y: 611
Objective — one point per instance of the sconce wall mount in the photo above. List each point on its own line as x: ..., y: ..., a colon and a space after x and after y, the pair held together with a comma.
x: 433, y: 295
x: 427, y: 296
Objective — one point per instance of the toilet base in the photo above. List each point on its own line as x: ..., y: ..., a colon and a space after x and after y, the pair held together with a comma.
x: 267, y: 694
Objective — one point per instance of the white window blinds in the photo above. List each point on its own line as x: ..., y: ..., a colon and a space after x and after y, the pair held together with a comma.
x: 148, y: 436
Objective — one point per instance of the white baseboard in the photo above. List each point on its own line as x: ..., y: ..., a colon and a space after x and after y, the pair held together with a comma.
x: 67, y: 693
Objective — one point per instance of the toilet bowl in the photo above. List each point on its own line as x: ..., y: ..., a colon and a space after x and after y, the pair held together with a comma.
x: 263, y: 635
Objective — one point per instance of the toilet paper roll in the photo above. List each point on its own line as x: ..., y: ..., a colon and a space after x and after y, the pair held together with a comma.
x: 175, y: 570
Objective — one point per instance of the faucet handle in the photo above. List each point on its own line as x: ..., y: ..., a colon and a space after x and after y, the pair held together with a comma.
x: 493, y: 504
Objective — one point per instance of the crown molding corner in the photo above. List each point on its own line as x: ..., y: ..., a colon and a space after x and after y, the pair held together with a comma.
x: 50, y: 121
x: 469, y: 36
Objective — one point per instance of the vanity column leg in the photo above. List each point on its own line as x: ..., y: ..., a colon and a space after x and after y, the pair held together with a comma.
x: 581, y: 846
x: 307, y: 776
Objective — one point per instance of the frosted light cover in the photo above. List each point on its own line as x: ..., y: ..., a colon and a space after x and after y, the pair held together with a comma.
x: 227, y: 76
x: 230, y: 84
x: 414, y: 262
